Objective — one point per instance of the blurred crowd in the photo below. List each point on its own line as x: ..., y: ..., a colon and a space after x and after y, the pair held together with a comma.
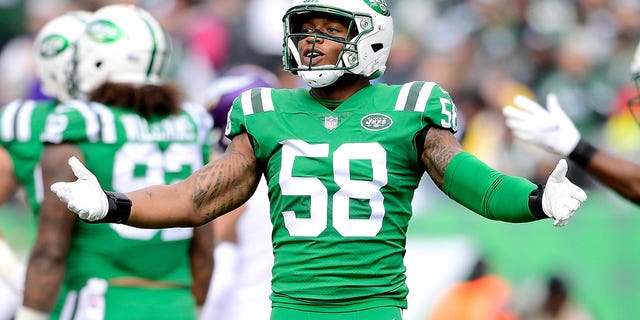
x: 483, y: 52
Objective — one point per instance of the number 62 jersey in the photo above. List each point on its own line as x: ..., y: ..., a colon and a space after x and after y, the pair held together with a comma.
x: 341, y: 180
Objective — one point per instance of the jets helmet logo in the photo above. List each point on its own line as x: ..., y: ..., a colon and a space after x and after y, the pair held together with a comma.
x: 379, y: 6
x: 104, y: 31
x: 53, y: 45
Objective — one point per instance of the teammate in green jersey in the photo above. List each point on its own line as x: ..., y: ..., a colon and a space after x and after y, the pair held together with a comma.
x: 21, y: 123
x: 551, y: 129
x: 134, y: 132
x: 342, y: 161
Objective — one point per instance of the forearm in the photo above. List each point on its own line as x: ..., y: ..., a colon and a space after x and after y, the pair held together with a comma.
x: 162, y: 206
x: 488, y: 192
x: 201, y: 254
x: 210, y: 192
x: 47, y: 263
x: 45, y: 274
x: 620, y: 175
x: 468, y: 181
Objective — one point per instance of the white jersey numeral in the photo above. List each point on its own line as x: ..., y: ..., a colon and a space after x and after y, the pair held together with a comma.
x: 349, y: 189
x: 150, y: 166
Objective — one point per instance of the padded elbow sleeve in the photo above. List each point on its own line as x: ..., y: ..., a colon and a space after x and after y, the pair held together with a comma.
x: 486, y: 191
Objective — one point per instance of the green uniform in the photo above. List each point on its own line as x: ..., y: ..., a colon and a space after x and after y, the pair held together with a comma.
x: 21, y: 124
x: 127, y: 152
x: 340, y: 183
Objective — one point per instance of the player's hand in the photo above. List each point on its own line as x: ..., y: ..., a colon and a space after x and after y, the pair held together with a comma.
x: 84, y: 196
x: 561, y: 198
x: 548, y: 128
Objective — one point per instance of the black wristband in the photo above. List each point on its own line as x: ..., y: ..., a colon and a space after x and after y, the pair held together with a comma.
x: 582, y: 153
x: 535, y: 203
x: 119, y: 208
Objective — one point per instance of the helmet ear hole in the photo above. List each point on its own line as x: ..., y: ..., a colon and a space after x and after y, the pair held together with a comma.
x: 98, y: 64
x: 377, y: 47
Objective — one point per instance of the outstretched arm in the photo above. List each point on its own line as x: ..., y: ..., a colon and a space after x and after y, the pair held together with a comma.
x: 552, y: 130
x: 215, y: 189
x: 492, y: 194
x: 619, y: 174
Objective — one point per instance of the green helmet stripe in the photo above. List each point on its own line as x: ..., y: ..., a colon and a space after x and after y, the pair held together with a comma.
x: 155, y: 43
x: 167, y: 50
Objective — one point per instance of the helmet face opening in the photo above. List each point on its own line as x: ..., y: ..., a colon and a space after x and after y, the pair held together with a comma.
x: 294, y: 34
x: 364, y: 50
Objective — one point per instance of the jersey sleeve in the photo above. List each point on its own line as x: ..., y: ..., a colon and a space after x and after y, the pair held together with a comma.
x: 71, y: 122
x: 8, y: 120
x: 236, y: 117
x: 436, y: 105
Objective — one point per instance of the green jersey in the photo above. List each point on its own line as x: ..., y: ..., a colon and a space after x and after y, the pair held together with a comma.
x: 127, y: 152
x: 21, y: 124
x: 340, y: 183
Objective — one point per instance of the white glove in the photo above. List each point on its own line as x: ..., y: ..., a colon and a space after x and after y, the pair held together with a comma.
x: 84, y: 196
x: 561, y: 198
x: 550, y: 129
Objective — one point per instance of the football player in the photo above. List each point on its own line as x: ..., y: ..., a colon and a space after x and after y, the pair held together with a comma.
x: 134, y: 132
x: 21, y: 123
x: 552, y: 130
x: 342, y: 160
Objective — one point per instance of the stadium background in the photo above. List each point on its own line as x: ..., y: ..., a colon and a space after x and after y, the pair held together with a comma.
x: 483, y: 52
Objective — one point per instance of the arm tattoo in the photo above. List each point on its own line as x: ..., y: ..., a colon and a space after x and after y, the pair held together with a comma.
x: 227, y: 182
x: 440, y: 146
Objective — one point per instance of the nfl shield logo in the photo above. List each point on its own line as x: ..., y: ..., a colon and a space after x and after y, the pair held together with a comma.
x: 330, y: 122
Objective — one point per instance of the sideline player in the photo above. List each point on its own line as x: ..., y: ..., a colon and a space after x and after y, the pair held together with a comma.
x: 134, y: 132
x: 21, y: 123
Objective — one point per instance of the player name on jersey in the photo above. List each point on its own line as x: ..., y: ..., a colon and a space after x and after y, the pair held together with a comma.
x: 176, y: 128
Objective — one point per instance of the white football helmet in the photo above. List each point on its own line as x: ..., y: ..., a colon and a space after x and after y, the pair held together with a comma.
x: 121, y: 44
x: 53, y: 52
x: 365, y: 54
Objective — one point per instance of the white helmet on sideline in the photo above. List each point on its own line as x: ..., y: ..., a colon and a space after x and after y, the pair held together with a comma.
x: 365, y: 54
x: 121, y: 44
x: 53, y: 52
